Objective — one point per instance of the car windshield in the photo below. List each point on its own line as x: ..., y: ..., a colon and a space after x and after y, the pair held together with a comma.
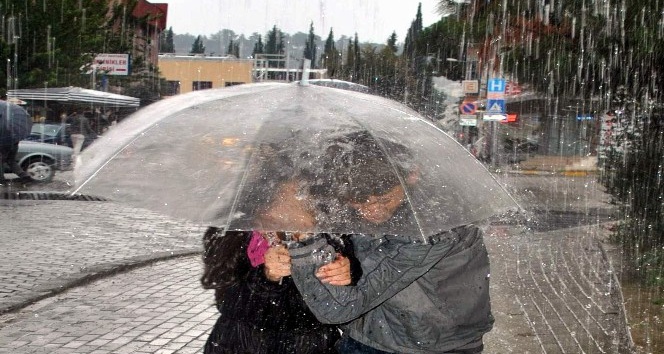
x: 45, y: 129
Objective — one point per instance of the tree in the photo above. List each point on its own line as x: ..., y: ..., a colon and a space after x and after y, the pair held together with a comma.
x: 275, y: 45
x: 350, y: 62
x: 166, y: 44
x: 389, y: 73
x: 310, y: 46
x: 233, y: 49
x: 357, y: 63
x: 197, y: 47
x: 259, y: 48
x: 48, y: 47
x: 410, y: 44
x: 330, y: 58
x: 392, y: 43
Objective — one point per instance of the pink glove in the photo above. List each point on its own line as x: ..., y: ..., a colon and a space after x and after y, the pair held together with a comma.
x: 258, y: 245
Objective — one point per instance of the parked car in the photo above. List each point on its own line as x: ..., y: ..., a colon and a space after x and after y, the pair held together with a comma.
x: 52, y: 133
x: 41, y: 160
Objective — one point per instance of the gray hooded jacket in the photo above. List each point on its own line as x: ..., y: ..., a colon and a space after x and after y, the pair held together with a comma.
x: 412, y: 297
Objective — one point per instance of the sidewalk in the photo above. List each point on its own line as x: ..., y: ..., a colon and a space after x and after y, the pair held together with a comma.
x: 552, y: 289
x: 571, y: 166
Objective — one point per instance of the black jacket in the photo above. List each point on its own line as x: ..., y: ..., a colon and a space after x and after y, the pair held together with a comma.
x: 260, y: 316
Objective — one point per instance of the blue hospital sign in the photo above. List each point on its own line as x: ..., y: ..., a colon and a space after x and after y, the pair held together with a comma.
x: 496, y: 86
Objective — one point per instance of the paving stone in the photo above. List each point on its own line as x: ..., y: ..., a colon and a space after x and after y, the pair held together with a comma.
x: 551, y: 287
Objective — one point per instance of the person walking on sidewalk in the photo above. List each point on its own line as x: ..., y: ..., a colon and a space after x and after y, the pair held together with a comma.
x: 413, y: 297
x: 260, y: 308
x: 81, y: 132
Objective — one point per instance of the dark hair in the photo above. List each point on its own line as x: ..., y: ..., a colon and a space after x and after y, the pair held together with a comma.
x: 357, y: 166
x: 224, y: 259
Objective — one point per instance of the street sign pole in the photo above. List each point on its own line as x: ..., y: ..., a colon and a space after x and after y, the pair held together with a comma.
x: 495, y: 94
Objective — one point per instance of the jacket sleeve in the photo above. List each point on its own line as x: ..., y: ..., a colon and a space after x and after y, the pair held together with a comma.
x: 387, y: 269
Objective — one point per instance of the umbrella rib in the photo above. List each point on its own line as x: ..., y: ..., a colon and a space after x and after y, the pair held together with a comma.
x: 240, y: 187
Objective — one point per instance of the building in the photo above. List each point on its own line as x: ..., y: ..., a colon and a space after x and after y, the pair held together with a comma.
x: 150, y: 21
x: 193, y: 72
x: 186, y: 73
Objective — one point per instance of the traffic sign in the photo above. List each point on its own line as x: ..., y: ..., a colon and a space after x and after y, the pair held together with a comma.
x: 468, y: 108
x: 496, y: 85
x: 495, y: 117
x: 495, y: 106
x: 468, y: 120
x: 470, y: 86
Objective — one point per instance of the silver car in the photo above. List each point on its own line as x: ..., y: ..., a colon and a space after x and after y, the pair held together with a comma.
x: 41, y: 160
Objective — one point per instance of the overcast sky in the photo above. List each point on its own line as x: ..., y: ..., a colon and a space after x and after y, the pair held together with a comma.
x: 373, y: 20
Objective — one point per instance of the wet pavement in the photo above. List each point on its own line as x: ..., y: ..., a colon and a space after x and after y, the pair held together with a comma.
x: 96, y: 277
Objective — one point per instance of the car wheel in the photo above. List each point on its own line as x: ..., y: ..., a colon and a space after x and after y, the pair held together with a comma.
x: 39, y: 169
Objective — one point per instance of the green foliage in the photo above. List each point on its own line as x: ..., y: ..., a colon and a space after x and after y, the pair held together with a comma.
x: 166, y: 44
x: 331, y: 58
x: 233, y: 49
x: 54, y: 45
x: 310, y: 46
x: 275, y: 41
x: 48, y: 46
x: 259, y: 48
x: 410, y: 45
x: 197, y: 47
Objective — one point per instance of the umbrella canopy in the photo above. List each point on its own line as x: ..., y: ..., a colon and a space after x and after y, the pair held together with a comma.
x: 15, y: 123
x: 74, y: 94
x: 222, y: 156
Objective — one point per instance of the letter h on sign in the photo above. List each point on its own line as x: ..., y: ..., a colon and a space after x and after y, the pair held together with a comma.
x: 496, y: 85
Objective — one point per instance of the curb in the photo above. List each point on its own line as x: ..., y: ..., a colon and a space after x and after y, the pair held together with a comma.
x: 621, y: 298
x: 566, y: 173
x: 93, y: 273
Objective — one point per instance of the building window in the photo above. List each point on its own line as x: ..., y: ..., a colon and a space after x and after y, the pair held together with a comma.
x: 231, y: 83
x: 201, y: 85
x: 173, y: 88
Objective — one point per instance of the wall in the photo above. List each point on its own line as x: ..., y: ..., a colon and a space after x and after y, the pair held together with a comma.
x: 220, y: 71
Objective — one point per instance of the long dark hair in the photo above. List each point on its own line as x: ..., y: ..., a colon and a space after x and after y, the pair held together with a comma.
x: 224, y: 258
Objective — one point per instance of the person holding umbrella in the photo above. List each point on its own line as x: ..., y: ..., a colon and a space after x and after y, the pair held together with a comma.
x: 413, y: 297
x: 260, y: 308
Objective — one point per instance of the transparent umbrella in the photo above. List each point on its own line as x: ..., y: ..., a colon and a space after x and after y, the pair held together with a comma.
x: 218, y: 156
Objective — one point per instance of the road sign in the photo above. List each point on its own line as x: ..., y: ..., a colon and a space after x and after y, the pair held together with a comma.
x: 468, y: 120
x: 470, y: 86
x: 496, y: 85
x: 495, y: 106
x: 512, y: 88
x: 468, y: 108
x: 495, y: 117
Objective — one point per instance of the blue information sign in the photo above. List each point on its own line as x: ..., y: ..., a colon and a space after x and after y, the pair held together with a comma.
x: 496, y: 85
x: 495, y: 106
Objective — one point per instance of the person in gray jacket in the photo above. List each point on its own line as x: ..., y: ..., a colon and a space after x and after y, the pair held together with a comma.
x: 413, y: 296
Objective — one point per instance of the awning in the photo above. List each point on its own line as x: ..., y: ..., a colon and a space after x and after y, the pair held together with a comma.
x: 74, y: 94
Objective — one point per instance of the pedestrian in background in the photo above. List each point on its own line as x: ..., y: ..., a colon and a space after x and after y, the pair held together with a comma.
x: 15, y: 125
x: 81, y: 131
